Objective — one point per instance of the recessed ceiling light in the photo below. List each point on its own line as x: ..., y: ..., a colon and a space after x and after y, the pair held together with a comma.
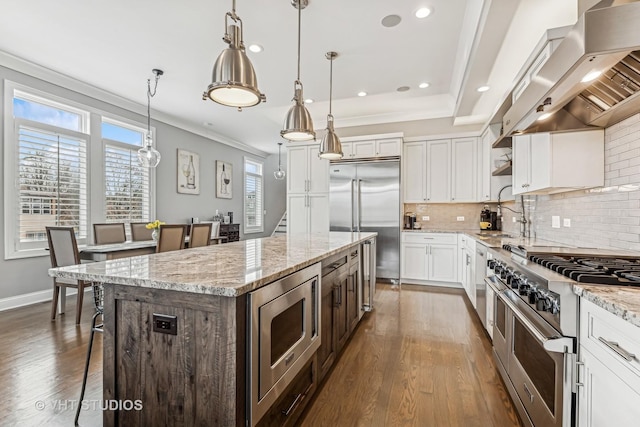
x: 403, y: 88
x: 391, y: 21
x: 255, y: 48
x: 423, y: 85
x: 423, y: 12
x: 590, y: 76
x: 483, y: 88
x: 308, y: 101
x: 362, y: 93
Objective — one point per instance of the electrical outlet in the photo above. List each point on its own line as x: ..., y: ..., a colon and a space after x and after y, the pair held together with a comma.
x: 165, y: 324
x: 425, y: 218
x: 555, y: 221
x: 460, y: 218
x: 567, y: 222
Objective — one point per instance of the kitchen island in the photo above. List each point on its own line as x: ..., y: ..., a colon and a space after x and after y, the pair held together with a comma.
x: 175, y: 324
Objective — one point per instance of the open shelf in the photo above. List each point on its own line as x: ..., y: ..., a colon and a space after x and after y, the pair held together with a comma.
x: 505, y: 169
x: 502, y: 142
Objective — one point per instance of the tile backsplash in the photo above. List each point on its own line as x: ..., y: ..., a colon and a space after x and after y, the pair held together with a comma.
x: 444, y: 216
x: 604, y: 217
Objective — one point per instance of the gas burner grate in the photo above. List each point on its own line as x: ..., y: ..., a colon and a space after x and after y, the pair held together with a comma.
x: 606, y: 271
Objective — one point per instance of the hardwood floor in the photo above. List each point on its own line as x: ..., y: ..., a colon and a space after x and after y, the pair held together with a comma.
x: 43, y: 361
x: 420, y: 359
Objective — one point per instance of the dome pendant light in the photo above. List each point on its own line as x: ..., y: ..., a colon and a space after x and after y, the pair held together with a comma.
x: 279, y: 174
x: 330, y: 147
x: 234, y: 79
x: 298, y: 125
x: 148, y: 156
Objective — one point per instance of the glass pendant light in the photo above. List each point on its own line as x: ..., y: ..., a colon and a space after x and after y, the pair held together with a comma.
x: 234, y: 81
x: 148, y: 156
x: 330, y: 147
x: 279, y: 174
x: 298, y: 125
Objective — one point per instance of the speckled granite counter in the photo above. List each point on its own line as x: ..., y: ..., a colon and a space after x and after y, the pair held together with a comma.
x: 622, y: 301
x: 229, y: 270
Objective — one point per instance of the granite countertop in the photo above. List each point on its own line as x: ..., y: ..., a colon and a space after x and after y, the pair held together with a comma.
x: 623, y: 301
x: 229, y: 270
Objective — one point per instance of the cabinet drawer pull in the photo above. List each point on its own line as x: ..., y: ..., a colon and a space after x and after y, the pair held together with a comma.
x: 629, y: 357
x: 293, y: 405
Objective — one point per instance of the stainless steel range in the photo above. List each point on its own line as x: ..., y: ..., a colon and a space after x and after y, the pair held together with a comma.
x: 536, y: 322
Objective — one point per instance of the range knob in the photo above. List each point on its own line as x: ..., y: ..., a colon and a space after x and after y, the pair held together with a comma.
x: 504, y: 272
x: 554, y: 306
x: 491, y: 264
x: 524, y: 290
x: 516, y: 280
x: 533, y: 293
x: 498, y: 268
x: 541, y: 303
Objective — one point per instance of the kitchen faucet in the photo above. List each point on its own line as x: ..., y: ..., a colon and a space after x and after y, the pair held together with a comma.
x: 522, y: 220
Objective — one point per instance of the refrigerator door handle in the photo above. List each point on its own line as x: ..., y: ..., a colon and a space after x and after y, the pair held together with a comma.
x: 353, y: 205
x: 359, y: 203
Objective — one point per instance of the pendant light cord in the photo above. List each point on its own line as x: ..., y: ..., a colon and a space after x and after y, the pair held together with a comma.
x: 299, y: 33
x: 149, y: 96
x: 330, y: 84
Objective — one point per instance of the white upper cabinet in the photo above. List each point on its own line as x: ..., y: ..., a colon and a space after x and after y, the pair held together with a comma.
x: 463, y: 169
x: 372, y: 148
x: 545, y: 163
x: 307, y: 173
x: 414, y: 176
x: 439, y: 171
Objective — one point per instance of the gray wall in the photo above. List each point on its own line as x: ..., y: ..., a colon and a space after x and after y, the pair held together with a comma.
x: 28, y: 275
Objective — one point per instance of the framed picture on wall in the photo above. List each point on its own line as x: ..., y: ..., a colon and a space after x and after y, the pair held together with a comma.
x: 224, y: 180
x: 188, y: 172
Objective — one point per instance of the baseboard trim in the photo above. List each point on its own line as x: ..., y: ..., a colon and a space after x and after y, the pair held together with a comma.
x: 32, y: 298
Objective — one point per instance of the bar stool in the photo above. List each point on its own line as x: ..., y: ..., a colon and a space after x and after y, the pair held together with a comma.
x: 98, y: 302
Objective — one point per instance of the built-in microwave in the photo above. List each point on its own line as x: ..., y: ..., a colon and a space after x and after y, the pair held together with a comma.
x: 284, y: 333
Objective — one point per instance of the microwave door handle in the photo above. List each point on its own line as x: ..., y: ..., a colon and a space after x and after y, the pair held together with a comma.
x: 552, y: 344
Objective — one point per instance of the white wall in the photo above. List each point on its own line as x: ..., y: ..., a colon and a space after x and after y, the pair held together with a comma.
x: 26, y: 276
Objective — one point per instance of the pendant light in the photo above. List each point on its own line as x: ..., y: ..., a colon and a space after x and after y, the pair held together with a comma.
x: 148, y: 156
x: 298, y: 125
x: 330, y: 147
x: 234, y: 81
x: 279, y: 174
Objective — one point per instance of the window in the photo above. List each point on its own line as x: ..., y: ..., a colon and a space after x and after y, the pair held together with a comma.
x: 126, y: 184
x: 253, y: 222
x: 51, y: 165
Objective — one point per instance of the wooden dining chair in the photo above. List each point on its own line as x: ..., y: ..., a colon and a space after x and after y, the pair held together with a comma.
x: 171, y: 237
x: 63, y: 251
x: 139, y: 231
x: 200, y: 235
x: 105, y: 234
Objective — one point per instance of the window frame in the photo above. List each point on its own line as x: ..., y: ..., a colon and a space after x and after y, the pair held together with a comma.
x: 252, y: 229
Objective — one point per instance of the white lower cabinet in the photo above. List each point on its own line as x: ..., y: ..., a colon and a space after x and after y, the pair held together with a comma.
x: 429, y: 257
x: 467, y: 266
x: 609, y: 373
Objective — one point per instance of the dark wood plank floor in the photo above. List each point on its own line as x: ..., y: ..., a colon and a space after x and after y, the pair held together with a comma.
x: 420, y: 359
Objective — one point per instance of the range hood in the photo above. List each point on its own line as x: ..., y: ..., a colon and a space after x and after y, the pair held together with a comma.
x: 605, y: 39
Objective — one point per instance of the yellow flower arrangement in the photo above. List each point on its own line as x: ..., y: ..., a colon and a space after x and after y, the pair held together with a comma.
x: 154, y: 225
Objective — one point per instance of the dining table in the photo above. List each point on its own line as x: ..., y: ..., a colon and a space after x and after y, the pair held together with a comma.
x: 117, y: 250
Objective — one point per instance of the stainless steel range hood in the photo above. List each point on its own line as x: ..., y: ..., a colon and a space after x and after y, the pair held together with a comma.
x: 605, y: 39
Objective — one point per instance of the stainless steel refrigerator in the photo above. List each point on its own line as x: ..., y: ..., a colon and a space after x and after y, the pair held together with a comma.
x: 365, y: 196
